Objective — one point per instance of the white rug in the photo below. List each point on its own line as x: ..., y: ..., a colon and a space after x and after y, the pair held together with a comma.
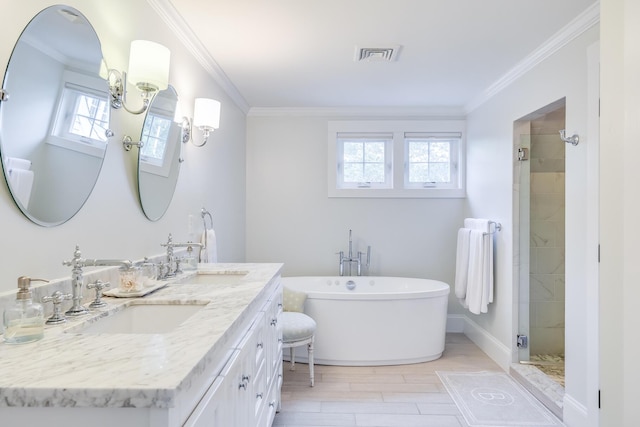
x: 493, y: 399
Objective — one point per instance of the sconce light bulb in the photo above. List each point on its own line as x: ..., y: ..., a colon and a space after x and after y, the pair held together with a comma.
x: 149, y: 65
x: 206, y: 114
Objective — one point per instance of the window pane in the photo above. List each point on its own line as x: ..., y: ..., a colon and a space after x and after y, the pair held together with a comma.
x: 418, y: 151
x: 353, y: 172
x: 439, y: 172
x: 374, y: 152
x: 373, y: 172
x: 353, y: 151
x: 90, y: 117
x: 154, y: 137
x: 419, y: 172
x: 439, y: 151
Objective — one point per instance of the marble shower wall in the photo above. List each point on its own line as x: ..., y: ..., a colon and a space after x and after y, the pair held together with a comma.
x: 547, y: 242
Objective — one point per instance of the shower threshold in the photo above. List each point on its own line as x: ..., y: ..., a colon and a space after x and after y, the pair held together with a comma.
x: 546, y: 390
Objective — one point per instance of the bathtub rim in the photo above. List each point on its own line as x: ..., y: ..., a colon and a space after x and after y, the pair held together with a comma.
x: 438, y: 289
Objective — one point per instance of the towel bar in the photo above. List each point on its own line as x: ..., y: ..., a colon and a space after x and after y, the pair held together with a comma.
x: 496, y: 227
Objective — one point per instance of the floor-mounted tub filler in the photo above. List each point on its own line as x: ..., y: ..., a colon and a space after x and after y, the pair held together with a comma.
x: 368, y: 321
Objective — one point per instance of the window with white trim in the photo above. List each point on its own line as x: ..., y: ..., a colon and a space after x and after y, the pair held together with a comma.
x: 82, y: 115
x: 364, y: 160
x: 431, y: 160
x: 159, y: 135
x: 385, y: 158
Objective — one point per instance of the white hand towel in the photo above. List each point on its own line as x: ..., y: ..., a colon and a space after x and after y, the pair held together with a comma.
x: 462, y: 262
x: 475, y: 285
x: 209, y: 254
x: 21, y: 183
x: 18, y: 163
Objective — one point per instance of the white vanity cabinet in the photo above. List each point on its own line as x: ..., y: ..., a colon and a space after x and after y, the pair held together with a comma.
x: 221, y: 367
x: 247, y: 391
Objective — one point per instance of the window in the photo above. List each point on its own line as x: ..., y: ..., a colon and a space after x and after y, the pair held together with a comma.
x: 155, y: 134
x: 90, y: 118
x: 431, y: 160
x: 412, y: 159
x: 82, y: 115
x: 160, y: 136
x: 364, y: 160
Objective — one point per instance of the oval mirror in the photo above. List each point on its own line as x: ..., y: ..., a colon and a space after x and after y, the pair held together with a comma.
x: 159, y: 157
x: 54, y: 116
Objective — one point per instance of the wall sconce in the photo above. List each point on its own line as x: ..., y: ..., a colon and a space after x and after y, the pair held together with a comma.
x: 206, y: 117
x: 148, y: 70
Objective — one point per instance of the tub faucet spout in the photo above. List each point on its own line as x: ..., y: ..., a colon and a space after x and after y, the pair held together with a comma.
x: 351, y: 259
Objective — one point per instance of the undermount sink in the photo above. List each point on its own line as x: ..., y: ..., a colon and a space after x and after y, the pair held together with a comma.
x: 143, y: 319
x: 214, y: 278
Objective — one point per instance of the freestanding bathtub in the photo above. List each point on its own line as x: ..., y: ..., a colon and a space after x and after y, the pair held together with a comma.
x: 368, y: 321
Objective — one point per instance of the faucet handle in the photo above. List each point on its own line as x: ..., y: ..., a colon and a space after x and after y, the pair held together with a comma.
x: 56, y: 298
x: 98, y: 286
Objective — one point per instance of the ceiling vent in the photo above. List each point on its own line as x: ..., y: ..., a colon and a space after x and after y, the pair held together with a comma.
x: 376, y: 54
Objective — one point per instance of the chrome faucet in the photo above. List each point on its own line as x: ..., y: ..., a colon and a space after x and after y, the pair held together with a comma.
x: 77, y: 264
x: 168, y: 270
x: 349, y: 259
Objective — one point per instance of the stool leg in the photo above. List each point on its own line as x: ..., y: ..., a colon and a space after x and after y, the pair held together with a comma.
x: 293, y: 359
x: 310, y: 349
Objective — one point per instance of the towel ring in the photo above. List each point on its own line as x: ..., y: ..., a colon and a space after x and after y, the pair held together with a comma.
x: 203, y: 214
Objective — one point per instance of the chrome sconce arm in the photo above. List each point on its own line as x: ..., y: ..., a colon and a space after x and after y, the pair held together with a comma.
x: 148, y: 69
x: 117, y: 89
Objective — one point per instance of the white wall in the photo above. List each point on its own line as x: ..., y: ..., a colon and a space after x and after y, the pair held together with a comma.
x: 291, y: 219
x: 111, y: 224
x: 619, y: 207
x: 490, y: 195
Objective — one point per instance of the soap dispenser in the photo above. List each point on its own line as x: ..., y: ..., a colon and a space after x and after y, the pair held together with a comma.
x: 24, y: 320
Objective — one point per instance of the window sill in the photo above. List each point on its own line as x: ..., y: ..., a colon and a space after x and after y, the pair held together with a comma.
x: 430, y: 193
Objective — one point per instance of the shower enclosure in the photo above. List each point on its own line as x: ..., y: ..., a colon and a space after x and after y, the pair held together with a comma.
x: 539, y: 190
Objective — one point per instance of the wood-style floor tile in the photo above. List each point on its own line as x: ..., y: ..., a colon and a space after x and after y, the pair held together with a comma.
x: 379, y: 396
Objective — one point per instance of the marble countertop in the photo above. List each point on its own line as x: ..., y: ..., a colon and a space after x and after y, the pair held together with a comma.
x: 70, y: 369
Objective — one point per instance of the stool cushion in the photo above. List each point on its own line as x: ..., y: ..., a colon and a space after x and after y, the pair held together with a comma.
x: 296, y: 326
x: 293, y: 300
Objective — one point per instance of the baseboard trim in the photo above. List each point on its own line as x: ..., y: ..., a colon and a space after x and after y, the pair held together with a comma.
x: 497, y: 351
x: 576, y: 414
x: 455, y: 323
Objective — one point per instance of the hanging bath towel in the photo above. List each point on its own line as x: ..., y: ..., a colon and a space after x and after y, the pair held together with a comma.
x: 462, y: 262
x: 209, y: 253
x: 479, y: 291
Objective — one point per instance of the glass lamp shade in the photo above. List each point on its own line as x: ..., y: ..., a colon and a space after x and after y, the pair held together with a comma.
x: 206, y: 114
x: 149, y: 65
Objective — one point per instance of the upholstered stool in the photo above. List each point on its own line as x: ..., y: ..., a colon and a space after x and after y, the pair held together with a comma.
x: 297, y: 328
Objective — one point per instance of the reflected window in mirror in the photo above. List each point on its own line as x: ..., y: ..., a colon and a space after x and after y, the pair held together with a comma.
x: 154, y: 138
x: 158, y: 131
x: 82, y: 116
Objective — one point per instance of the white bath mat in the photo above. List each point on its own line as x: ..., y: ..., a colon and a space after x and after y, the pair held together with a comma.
x: 493, y: 399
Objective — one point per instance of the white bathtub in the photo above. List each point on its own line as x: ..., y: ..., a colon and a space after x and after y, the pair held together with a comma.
x: 381, y: 321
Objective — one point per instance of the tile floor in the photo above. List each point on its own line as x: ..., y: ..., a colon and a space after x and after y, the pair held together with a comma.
x: 380, y: 396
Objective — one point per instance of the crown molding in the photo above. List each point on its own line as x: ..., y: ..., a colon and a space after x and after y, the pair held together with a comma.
x: 456, y: 113
x: 576, y: 27
x: 176, y: 23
